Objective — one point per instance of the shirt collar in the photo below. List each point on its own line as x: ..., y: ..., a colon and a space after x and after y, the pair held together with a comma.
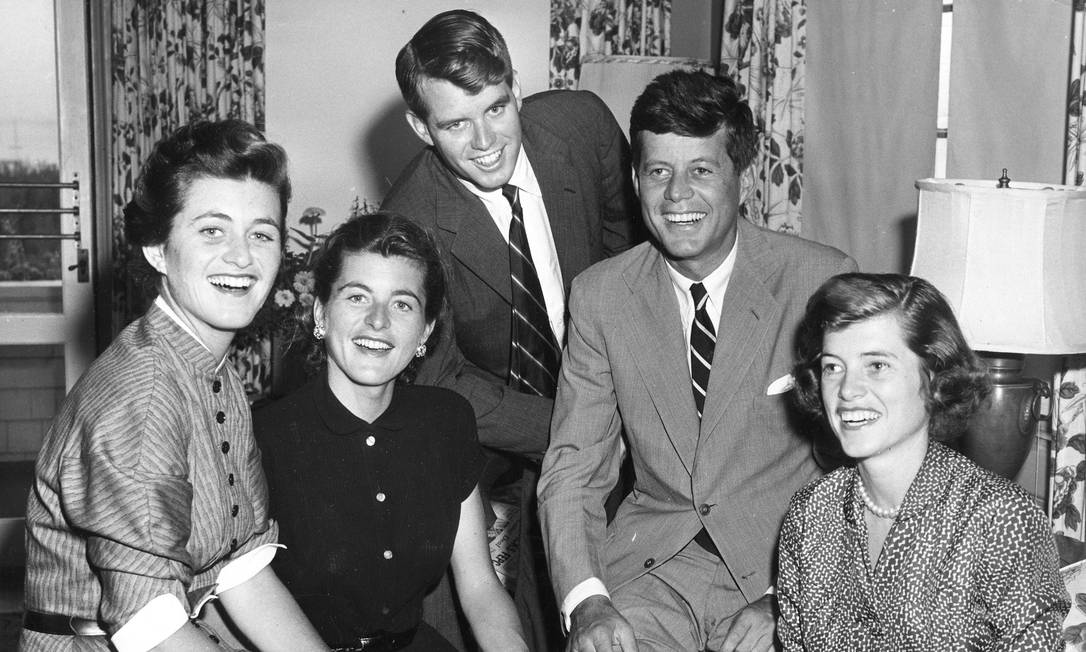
x: 927, y: 487
x: 341, y: 421
x: 166, y: 308
x: 716, y: 282
x: 165, y: 321
x: 930, y: 481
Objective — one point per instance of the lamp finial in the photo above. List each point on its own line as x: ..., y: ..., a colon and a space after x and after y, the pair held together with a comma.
x: 1004, y: 181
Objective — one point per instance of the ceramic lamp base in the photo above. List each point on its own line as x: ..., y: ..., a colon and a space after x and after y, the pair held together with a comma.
x: 1001, y: 432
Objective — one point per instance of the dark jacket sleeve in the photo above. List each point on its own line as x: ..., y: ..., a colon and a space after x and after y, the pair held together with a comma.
x: 508, y: 420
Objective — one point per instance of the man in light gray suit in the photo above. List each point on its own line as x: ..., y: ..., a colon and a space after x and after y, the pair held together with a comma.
x: 684, y: 344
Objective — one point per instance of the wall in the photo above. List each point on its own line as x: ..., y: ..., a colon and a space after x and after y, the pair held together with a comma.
x: 31, y: 389
x: 332, y: 99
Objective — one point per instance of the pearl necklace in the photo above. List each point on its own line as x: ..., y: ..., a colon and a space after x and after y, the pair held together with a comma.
x: 882, y: 512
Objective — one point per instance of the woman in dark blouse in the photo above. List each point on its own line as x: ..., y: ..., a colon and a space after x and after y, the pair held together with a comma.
x: 914, y: 547
x: 373, y: 481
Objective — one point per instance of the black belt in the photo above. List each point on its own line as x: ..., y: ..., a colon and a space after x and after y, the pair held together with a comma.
x: 379, y: 642
x: 703, y: 539
x: 60, y: 625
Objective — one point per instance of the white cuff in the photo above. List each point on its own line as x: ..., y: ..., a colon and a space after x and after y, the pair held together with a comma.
x: 242, y: 569
x: 772, y: 590
x: 586, y: 589
x: 154, y: 623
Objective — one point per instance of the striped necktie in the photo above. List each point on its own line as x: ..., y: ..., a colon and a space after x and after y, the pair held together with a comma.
x: 702, y: 343
x: 534, y: 354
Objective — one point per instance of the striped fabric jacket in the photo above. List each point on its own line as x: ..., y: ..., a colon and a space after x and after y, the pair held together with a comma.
x: 148, y: 483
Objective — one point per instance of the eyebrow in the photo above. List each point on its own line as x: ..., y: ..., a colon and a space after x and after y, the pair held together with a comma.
x: 699, y: 160
x: 864, y: 354
x: 363, y: 286
x: 226, y: 216
x: 503, y: 100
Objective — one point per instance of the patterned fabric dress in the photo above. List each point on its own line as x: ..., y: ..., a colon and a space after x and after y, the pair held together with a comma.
x: 969, y: 564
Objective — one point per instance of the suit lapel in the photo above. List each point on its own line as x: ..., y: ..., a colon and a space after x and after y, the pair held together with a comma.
x: 549, y: 157
x: 654, y: 330
x: 748, y: 311
x: 476, y: 243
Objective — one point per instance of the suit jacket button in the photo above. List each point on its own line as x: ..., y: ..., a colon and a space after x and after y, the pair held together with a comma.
x: 649, y: 562
x: 705, y: 509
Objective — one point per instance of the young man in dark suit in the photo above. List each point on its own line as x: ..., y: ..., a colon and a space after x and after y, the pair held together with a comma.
x: 522, y: 194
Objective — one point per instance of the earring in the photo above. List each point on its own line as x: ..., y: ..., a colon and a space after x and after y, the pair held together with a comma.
x: 318, y: 331
x: 420, y: 351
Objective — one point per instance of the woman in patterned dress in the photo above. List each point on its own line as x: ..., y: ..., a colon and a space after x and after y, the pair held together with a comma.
x: 374, y: 480
x: 149, y: 498
x: 912, y: 547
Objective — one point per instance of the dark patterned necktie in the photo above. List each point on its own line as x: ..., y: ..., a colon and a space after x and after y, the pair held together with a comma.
x: 702, y: 343
x: 534, y: 354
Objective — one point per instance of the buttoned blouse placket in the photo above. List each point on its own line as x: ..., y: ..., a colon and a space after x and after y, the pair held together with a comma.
x: 375, y: 453
x: 230, y: 449
x: 861, y: 559
x: 223, y: 456
x: 879, y: 581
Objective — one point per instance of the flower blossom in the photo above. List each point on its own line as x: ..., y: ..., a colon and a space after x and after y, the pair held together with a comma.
x: 284, y: 298
x: 303, y: 282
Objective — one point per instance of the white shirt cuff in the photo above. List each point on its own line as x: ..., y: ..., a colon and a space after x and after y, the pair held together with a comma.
x: 153, y: 624
x: 772, y: 590
x: 242, y: 569
x: 586, y: 589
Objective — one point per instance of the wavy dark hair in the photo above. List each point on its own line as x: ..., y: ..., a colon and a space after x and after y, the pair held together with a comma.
x: 458, y: 46
x: 697, y: 104
x: 388, y: 234
x: 223, y: 149
x: 957, y: 380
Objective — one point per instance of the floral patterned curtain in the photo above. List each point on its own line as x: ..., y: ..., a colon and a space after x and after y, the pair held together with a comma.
x: 174, y: 61
x: 763, y: 45
x: 1067, y: 490
x: 583, y: 27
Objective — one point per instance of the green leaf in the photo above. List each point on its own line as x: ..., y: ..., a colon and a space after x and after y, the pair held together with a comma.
x: 1072, y: 518
x: 1078, y: 442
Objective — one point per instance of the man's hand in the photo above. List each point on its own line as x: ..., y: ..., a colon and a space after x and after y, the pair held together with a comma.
x: 596, y: 626
x: 752, y: 629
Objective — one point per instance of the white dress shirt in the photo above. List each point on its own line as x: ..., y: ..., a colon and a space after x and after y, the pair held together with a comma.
x: 537, y: 227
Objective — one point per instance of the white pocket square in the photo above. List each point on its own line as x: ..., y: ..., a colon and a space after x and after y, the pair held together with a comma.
x: 781, y: 385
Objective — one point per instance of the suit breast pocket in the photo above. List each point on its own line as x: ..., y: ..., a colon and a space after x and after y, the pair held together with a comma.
x: 774, y: 406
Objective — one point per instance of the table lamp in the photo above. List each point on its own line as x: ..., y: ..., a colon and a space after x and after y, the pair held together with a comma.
x: 1011, y: 259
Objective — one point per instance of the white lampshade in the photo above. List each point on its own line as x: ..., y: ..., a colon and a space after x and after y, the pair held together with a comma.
x: 1011, y: 261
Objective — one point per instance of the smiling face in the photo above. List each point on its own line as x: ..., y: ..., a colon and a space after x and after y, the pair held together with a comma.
x: 689, y: 192
x: 221, y: 256
x: 374, y: 320
x: 873, y: 389
x: 476, y: 135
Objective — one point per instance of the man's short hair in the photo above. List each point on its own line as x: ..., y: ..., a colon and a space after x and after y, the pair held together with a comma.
x: 458, y: 46
x: 696, y: 104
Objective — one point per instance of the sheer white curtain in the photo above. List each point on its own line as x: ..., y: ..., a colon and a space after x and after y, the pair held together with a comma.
x: 872, y: 90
